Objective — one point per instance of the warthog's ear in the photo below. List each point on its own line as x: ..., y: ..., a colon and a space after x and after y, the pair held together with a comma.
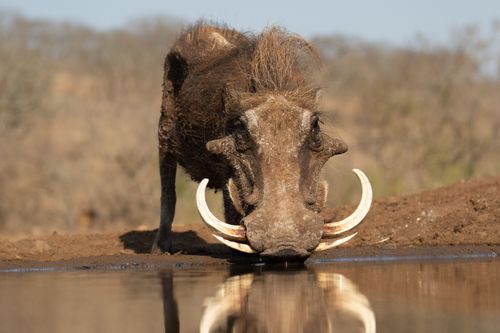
x: 224, y: 146
x: 175, y: 71
x: 218, y: 41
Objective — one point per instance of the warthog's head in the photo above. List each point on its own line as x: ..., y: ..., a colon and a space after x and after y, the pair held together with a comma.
x: 277, y: 150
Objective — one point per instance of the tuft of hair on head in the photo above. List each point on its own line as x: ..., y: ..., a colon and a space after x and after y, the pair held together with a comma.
x: 284, y: 62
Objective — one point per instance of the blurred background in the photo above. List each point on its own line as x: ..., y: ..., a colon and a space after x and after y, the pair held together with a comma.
x: 413, y: 88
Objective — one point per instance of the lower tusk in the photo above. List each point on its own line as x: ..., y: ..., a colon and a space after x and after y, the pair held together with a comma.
x: 328, y: 244
x: 237, y: 246
x: 335, y: 228
x: 235, y: 232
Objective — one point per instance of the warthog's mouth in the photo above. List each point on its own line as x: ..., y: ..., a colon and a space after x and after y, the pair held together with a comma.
x: 334, y: 233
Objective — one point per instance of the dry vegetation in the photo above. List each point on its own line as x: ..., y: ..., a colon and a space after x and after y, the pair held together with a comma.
x: 79, y: 110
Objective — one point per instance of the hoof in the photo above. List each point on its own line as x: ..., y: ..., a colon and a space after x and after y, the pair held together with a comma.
x: 162, y: 248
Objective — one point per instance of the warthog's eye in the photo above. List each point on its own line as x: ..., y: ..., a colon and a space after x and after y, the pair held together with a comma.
x: 315, y: 134
x: 241, y: 135
x: 315, y: 125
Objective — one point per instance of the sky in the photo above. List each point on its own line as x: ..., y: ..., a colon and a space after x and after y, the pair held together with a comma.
x: 389, y: 21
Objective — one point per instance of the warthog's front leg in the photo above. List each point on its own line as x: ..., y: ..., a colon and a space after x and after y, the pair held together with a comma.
x: 168, y: 168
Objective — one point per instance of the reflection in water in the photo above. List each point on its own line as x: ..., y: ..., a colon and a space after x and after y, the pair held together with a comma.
x: 297, y: 301
x: 348, y: 299
x: 170, y: 308
x: 449, y: 297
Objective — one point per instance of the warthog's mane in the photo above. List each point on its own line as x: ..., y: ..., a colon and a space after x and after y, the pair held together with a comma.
x: 272, y: 61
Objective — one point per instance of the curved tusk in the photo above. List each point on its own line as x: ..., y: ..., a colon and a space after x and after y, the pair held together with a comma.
x: 344, y: 295
x: 229, y: 300
x: 237, y: 246
x: 234, y: 232
x: 328, y: 244
x: 335, y: 228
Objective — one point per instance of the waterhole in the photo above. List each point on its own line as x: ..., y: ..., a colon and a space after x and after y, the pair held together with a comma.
x: 416, y: 296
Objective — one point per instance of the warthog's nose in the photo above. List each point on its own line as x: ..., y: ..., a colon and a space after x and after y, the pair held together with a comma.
x: 285, y: 253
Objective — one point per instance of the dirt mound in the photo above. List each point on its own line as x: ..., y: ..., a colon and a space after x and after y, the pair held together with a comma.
x: 465, y: 214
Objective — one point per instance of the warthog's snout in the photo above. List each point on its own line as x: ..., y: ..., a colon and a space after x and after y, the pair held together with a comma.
x: 289, y: 253
x: 278, y: 234
x: 283, y: 230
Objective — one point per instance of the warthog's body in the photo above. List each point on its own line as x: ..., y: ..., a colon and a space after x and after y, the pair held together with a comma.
x: 240, y: 110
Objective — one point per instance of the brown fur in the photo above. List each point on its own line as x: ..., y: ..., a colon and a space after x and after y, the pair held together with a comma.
x: 213, y: 77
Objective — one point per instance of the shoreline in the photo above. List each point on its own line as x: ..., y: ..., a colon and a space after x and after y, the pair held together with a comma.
x: 341, y: 256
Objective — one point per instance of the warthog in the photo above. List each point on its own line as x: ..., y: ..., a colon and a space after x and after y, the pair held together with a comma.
x: 239, y: 113
x: 301, y: 301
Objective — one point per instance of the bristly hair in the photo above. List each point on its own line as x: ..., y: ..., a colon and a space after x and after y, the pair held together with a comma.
x: 204, y: 40
x: 283, y: 62
x: 272, y: 61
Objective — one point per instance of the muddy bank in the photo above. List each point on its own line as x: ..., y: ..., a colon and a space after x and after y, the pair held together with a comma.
x: 462, y: 219
x: 365, y: 254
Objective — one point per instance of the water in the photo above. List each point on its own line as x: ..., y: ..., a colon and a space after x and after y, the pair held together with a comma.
x: 427, y: 296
